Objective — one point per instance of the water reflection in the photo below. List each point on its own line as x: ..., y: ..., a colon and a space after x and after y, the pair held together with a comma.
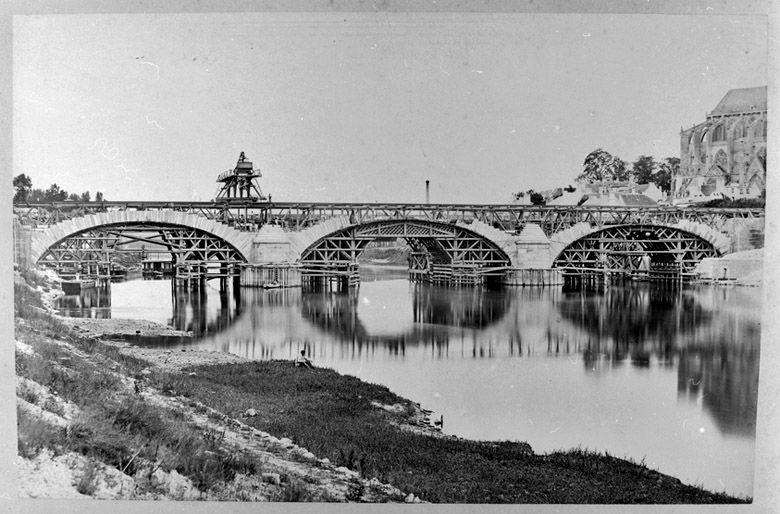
x: 202, y: 311
x: 669, y: 374
x: 709, y: 337
x: 205, y: 311
x: 634, y: 322
x: 432, y: 306
x: 724, y: 382
x: 714, y: 348
x: 93, y: 302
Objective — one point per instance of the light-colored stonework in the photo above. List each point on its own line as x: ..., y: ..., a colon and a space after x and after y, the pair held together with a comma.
x: 725, y: 156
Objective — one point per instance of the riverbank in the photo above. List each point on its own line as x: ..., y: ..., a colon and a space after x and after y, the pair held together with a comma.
x: 185, y: 425
x: 744, y: 268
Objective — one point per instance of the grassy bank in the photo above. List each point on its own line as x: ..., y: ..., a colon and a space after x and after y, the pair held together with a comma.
x: 119, y: 414
x: 89, y: 407
x: 333, y: 416
x: 112, y: 424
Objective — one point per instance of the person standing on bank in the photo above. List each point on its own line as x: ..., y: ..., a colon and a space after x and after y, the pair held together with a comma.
x: 301, y: 360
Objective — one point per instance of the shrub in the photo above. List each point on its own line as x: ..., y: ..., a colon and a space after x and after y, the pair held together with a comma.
x: 296, y: 491
x: 34, y: 435
x: 135, y: 417
x: 92, y: 437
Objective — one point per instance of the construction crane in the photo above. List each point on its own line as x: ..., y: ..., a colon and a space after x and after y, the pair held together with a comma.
x: 240, y: 183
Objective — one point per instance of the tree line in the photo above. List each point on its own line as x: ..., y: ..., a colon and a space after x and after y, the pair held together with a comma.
x: 25, y: 193
x: 600, y: 165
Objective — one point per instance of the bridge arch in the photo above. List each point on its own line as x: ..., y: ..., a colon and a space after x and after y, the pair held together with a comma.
x: 207, y: 237
x: 622, y: 247
x: 335, y: 243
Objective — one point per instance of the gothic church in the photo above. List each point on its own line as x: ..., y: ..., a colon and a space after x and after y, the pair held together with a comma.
x: 725, y: 156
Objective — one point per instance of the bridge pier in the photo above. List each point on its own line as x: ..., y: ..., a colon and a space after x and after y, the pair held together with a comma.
x: 330, y: 277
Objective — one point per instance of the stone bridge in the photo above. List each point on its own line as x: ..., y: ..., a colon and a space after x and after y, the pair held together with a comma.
x: 223, y: 236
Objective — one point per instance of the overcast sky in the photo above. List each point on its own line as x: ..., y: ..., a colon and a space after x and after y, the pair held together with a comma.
x: 362, y: 106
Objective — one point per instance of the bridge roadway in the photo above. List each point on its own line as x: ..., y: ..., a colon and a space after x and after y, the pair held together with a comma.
x: 245, y: 215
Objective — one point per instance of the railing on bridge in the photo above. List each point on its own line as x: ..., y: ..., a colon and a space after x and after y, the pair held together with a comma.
x: 245, y: 215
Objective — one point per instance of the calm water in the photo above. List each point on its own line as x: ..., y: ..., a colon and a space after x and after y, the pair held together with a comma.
x: 663, y: 374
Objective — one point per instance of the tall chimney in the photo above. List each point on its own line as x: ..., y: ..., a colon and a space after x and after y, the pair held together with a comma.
x: 427, y: 191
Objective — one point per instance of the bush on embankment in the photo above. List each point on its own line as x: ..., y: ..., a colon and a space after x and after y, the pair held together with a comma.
x: 333, y: 416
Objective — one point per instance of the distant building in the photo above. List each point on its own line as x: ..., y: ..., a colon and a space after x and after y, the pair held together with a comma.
x: 725, y: 156
x: 611, y: 193
x: 157, y: 264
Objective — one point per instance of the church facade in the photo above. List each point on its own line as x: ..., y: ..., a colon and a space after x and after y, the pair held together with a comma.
x: 725, y: 156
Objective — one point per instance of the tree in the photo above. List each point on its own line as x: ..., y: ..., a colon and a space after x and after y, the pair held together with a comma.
x: 36, y: 196
x: 55, y: 194
x: 599, y: 164
x: 84, y: 196
x: 666, y: 170
x: 22, y: 185
x: 536, y: 198
x: 643, y: 169
x: 533, y: 197
x: 98, y: 196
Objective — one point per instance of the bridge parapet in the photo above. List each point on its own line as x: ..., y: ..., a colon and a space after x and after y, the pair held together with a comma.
x: 250, y: 216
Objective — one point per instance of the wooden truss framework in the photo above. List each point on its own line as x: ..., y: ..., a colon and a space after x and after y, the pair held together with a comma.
x: 244, y: 215
x: 440, y: 243
x: 620, y: 249
x: 195, y: 252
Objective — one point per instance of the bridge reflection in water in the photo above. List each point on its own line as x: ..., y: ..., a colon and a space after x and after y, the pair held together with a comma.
x: 666, y: 373
x: 715, y: 350
x: 203, y: 311
x: 710, y: 336
x: 93, y: 302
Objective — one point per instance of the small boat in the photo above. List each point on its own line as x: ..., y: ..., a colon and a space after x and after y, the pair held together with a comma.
x: 272, y: 285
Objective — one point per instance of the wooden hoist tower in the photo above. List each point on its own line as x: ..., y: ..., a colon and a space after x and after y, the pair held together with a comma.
x: 240, y: 183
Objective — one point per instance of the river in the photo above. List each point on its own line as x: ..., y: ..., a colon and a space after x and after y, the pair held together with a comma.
x: 661, y: 374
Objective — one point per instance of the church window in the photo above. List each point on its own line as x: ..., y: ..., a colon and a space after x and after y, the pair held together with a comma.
x: 719, y: 133
x: 721, y: 162
x: 759, y: 129
x: 741, y: 130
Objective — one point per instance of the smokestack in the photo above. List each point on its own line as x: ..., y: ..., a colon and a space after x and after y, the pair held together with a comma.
x: 427, y: 191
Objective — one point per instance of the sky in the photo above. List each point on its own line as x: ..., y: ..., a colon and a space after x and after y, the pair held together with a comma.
x: 362, y: 107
